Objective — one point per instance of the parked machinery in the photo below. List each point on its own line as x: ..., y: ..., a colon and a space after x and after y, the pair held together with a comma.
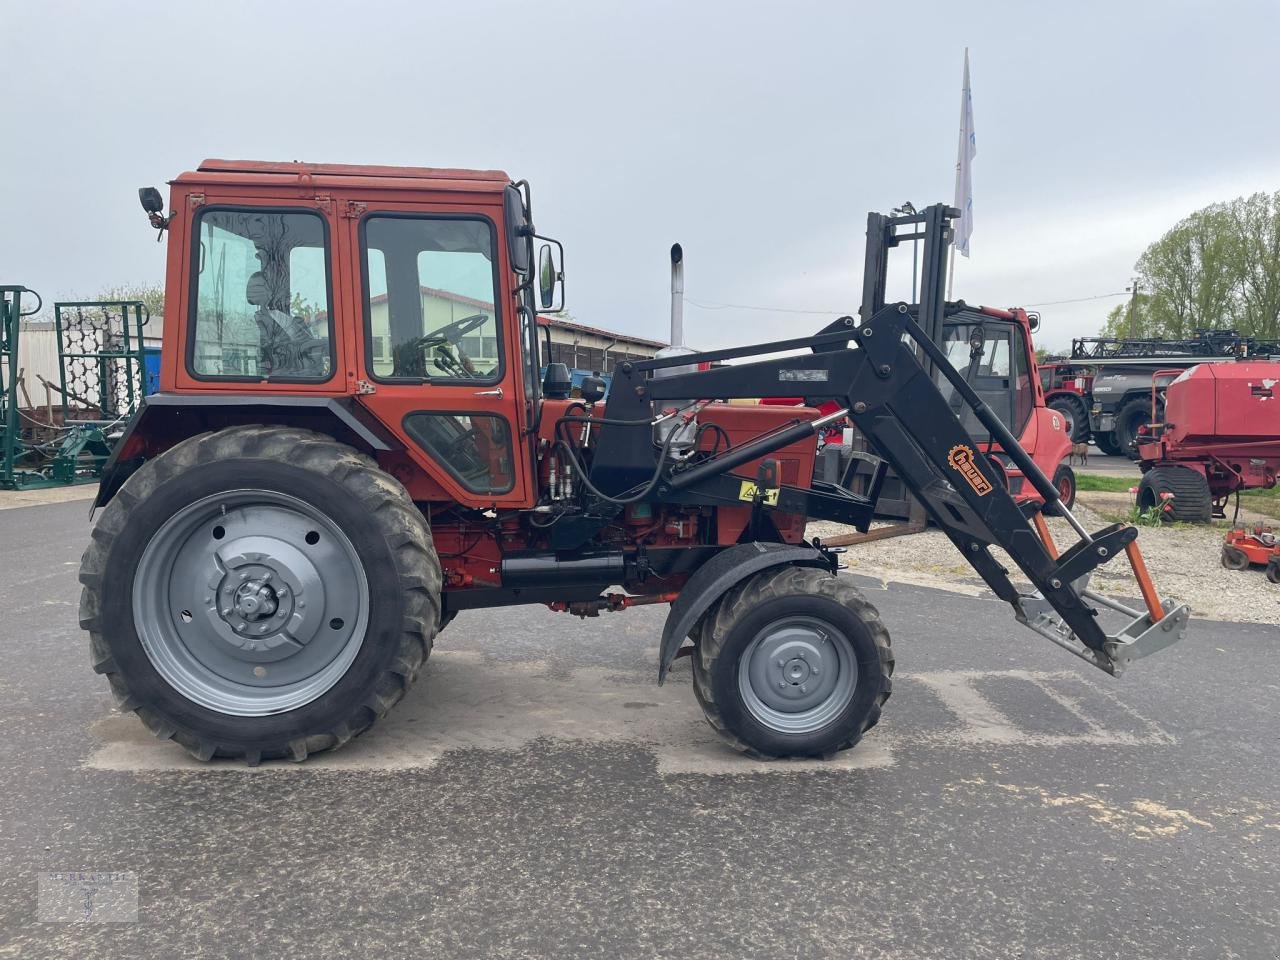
x: 1216, y: 433
x: 99, y: 382
x: 1121, y: 399
x: 350, y: 446
x: 1258, y: 546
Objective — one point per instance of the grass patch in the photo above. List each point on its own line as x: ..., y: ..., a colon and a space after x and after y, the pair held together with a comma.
x: 1266, y: 502
x: 1096, y: 481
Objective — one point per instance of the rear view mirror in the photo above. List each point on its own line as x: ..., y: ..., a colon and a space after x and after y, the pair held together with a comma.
x: 150, y: 199
x: 550, y: 277
x: 518, y: 231
x: 1033, y: 321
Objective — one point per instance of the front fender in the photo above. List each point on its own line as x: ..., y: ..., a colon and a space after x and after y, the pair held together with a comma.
x: 714, y: 578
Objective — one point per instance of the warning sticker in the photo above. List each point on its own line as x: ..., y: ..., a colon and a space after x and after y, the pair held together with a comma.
x: 748, y: 492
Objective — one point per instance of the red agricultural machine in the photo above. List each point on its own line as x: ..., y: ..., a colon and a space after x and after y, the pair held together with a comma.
x: 1220, y: 434
x: 1256, y: 546
x: 352, y: 444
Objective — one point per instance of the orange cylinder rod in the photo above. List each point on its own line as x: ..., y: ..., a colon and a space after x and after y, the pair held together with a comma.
x: 1042, y: 528
x: 1149, y: 595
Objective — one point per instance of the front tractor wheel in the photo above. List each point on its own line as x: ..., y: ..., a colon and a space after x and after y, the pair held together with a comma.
x: 260, y: 592
x: 792, y: 663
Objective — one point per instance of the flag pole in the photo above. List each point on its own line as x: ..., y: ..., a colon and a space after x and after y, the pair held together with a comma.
x: 966, y: 150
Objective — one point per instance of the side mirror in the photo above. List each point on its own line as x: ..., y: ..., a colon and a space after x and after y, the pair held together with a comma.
x: 151, y: 200
x: 518, y: 230
x: 550, y: 277
x: 1033, y: 321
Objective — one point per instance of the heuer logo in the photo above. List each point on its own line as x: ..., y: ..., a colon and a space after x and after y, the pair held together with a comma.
x: 962, y: 459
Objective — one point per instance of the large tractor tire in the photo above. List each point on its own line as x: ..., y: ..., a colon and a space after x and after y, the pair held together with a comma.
x: 793, y: 662
x: 1075, y: 417
x: 260, y: 592
x: 1107, y: 444
x: 1191, y: 503
x: 1130, y: 417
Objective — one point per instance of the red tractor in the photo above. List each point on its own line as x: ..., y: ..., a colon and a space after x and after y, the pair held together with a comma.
x: 1068, y: 391
x: 1220, y: 434
x: 351, y: 445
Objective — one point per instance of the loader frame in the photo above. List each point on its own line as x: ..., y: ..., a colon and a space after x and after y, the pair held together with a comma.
x: 879, y: 371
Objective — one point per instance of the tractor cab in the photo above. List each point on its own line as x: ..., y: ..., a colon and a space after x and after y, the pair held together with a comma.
x: 991, y: 349
x: 400, y: 302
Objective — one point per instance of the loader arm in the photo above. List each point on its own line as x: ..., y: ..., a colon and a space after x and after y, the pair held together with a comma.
x: 883, y: 386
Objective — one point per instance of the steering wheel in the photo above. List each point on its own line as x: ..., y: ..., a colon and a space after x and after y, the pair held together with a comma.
x: 453, y: 332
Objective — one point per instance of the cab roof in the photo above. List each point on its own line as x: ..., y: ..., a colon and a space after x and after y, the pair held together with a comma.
x: 284, y: 172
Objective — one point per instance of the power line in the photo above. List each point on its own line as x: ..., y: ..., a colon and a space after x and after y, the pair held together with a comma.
x: 1100, y: 296
x: 719, y: 305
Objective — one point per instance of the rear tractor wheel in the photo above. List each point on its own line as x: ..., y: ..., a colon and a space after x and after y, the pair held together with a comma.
x: 1106, y: 442
x: 793, y: 662
x: 1273, y: 570
x: 260, y: 592
x: 1075, y: 418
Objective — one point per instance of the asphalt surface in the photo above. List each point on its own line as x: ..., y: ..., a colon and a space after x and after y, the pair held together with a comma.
x: 537, y: 796
x: 1098, y: 462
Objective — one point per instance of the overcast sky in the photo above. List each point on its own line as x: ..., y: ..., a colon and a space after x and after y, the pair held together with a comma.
x: 758, y: 135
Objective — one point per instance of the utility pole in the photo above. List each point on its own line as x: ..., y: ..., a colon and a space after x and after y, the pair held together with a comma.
x: 1133, y: 308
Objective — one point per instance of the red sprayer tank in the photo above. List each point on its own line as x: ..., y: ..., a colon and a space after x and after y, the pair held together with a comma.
x: 1223, y: 402
x: 1220, y: 435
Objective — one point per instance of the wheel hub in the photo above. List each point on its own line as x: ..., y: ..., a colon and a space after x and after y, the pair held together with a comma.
x: 258, y: 601
x: 252, y: 602
x: 797, y: 674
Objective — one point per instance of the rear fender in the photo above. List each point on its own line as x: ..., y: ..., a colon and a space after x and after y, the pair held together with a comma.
x: 714, y: 578
x: 165, y: 419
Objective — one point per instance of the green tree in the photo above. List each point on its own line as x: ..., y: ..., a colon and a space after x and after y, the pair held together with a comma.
x: 1219, y: 267
x: 151, y: 294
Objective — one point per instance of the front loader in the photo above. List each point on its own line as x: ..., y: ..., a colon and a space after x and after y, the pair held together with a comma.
x: 352, y: 444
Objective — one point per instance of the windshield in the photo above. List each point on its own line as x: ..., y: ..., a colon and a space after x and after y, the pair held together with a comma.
x: 990, y: 354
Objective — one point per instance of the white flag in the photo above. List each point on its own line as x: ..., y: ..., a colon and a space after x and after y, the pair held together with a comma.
x: 967, y: 150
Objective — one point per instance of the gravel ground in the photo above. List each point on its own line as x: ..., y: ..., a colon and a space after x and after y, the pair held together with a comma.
x: 1183, y: 560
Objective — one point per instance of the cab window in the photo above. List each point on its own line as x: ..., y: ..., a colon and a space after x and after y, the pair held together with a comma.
x: 430, y: 303
x: 992, y: 358
x: 260, y: 304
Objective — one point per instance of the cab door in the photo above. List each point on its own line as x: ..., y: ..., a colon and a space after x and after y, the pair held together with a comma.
x: 438, y: 344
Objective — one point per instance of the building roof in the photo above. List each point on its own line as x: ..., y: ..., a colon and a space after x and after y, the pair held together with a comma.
x: 597, y: 331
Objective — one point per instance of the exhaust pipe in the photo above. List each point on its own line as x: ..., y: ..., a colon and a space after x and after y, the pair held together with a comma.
x: 677, y: 295
x: 685, y: 433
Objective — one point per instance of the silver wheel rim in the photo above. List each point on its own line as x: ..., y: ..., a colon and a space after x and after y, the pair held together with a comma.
x: 797, y: 675
x: 250, y: 602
